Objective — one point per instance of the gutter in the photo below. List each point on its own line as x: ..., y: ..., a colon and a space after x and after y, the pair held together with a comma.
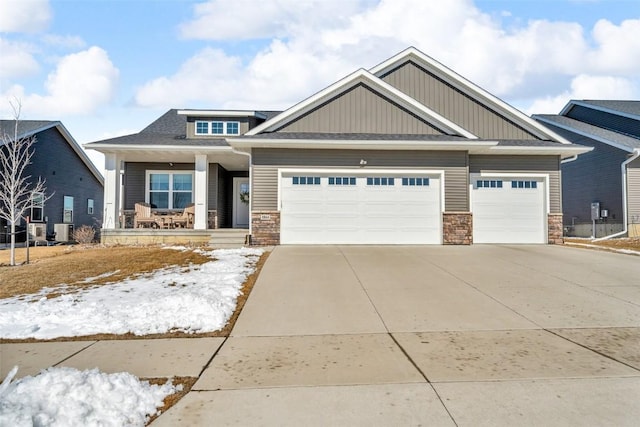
x: 623, y: 167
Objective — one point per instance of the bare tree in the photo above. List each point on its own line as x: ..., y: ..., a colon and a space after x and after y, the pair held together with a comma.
x: 16, y: 190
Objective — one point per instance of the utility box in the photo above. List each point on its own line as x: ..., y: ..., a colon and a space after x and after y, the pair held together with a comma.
x: 595, y: 211
x: 64, y: 232
x: 37, y: 231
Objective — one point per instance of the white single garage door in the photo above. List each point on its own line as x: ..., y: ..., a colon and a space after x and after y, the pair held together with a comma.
x: 509, y: 210
x: 322, y: 207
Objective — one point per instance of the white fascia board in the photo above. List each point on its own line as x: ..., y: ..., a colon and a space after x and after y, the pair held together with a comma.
x: 563, y: 152
x: 221, y: 113
x: 469, y: 88
x: 362, y: 76
x: 586, y: 134
x: 598, y: 108
x: 115, y: 148
x: 471, y: 146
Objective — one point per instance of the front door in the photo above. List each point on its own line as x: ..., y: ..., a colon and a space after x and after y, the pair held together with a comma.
x: 240, y: 202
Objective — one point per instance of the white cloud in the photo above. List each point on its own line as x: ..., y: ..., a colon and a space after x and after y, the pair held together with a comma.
x: 530, y: 62
x: 17, y: 59
x: 66, y: 42
x: 24, y: 16
x: 80, y: 83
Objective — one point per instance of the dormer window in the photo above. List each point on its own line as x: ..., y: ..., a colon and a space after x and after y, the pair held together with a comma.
x: 217, y: 128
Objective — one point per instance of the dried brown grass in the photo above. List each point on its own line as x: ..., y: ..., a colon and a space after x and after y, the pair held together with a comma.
x: 631, y: 243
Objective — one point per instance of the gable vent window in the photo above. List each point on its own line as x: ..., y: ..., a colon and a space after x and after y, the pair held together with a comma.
x: 306, y: 180
x: 217, y: 128
x: 493, y: 183
x: 524, y: 184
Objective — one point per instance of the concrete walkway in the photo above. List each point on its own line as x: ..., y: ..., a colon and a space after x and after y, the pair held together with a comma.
x: 343, y: 335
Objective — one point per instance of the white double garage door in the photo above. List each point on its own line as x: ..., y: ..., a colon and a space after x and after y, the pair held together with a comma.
x: 402, y: 207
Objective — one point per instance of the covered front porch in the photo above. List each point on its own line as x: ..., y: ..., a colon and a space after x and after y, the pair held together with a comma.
x: 175, y: 194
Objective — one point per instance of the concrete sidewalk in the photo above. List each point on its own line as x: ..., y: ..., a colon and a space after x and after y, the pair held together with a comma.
x: 344, y: 335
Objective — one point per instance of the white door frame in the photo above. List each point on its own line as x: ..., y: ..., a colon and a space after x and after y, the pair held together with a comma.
x: 237, y: 204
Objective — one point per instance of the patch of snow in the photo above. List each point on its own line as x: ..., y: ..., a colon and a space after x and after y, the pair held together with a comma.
x: 98, y: 277
x: 69, y: 397
x: 199, y: 298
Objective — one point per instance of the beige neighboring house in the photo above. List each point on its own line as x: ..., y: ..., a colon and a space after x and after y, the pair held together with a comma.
x: 407, y: 152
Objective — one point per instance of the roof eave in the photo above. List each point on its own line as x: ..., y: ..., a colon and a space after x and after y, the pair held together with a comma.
x: 563, y: 152
x: 221, y: 113
x: 362, y: 144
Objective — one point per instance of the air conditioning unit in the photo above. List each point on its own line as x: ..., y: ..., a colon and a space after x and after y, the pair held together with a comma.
x: 37, y: 232
x: 64, y: 232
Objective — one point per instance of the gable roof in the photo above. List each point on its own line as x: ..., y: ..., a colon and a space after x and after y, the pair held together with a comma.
x: 630, y: 109
x: 27, y: 128
x: 615, y: 139
x: 467, y: 87
x: 362, y: 76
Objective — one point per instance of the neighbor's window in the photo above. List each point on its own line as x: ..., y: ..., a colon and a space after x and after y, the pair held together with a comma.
x: 67, y: 214
x: 170, y: 190
x: 90, y: 206
x: 37, y: 207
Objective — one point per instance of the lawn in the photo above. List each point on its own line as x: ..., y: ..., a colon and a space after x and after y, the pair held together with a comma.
x: 625, y: 243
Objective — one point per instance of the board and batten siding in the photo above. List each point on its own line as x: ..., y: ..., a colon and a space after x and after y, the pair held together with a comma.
x: 265, y: 163
x: 452, y: 103
x: 614, y: 122
x: 523, y: 165
x: 633, y: 195
x: 361, y: 110
x: 135, y: 180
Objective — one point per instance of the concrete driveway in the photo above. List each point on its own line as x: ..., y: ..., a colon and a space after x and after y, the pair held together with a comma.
x: 467, y: 336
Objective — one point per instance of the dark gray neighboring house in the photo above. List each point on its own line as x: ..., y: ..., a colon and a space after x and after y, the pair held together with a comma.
x: 74, y: 185
x: 609, y: 175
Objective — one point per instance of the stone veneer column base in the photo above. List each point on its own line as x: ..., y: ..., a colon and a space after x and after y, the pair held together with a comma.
x: 457, y: 228
x: 265, y: 228
x: 555, y: 229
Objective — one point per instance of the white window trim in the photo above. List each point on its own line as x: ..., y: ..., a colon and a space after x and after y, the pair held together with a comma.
x: 363, y: 173
x: 90, y: 206
x: 170, y: 173
x: 36, y: 206
x: 64, y: 210
x: 209, y: 123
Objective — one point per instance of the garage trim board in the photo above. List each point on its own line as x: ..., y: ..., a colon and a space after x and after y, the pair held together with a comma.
x: 360, y: 206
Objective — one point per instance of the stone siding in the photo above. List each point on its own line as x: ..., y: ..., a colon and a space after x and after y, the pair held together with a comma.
x: 555, y: 229
x: 457, y: 228
x: 265, y: 228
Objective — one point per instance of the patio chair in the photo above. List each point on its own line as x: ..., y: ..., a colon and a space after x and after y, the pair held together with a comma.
x: 143, y: 217
x: 186, y: 219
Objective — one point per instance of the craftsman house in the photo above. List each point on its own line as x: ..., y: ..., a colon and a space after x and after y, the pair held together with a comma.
x: 408, y: 152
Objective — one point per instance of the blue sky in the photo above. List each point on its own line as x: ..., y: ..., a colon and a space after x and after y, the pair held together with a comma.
x: 107, y: 68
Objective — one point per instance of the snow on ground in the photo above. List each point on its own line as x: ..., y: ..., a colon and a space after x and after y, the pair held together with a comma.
x: 69, y: 397
x: 199, y: 298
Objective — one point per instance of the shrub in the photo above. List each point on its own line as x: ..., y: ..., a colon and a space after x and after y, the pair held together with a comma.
x: 85, y: 234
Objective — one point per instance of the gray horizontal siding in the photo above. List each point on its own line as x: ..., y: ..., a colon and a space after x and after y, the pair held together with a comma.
x: 524, y: 164
x: 453, y: 104
x: 593, y: 177
x: 135, y: 177
x: 361, y: 110
x: 605, y: 120
x: 633, y: 195
x: 267, y: 161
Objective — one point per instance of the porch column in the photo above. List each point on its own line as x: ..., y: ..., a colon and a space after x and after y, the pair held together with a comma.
x: 201, y: 219
x: 111, y: 217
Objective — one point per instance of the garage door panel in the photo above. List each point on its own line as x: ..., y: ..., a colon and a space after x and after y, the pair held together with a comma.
x: 360, y: 213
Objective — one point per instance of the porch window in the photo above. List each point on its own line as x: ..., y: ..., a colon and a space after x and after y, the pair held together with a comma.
x: 67, y: 213
x: 37, y: 207
x: 169, y: 190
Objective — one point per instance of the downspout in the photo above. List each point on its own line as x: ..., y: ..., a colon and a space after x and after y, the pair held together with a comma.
x: 623, y: 167
x: 569, y: 159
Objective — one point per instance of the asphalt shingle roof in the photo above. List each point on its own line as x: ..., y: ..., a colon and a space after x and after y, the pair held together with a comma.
x: 585, y: 128
x: 629, y: 107
x: 7, y: 127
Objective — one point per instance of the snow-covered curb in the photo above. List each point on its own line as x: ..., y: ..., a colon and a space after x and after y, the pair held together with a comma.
x: 198, y: 298
x: 69, y: 397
